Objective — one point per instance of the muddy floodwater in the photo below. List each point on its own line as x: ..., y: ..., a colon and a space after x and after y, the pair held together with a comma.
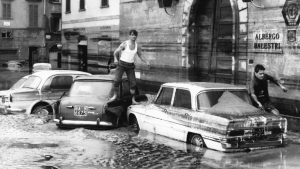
x: 30, y: 142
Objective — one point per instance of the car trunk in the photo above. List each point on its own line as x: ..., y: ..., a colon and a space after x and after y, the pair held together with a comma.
x: 85, y: 108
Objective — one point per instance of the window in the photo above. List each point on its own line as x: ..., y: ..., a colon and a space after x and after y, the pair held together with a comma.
x: 68, y: 6
x: 61, y: 82
x: 6, y: 34
x: 33, y: 15
x: 104, y: 4
x: 82, y: 5
x: 182, y: 99
x: 55, y: 1
x: 208, y: 99
x: 165, y: 96
x: 6, y: 10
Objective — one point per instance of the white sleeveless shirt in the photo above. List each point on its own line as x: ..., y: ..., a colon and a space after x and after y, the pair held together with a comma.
x: 127, y: 55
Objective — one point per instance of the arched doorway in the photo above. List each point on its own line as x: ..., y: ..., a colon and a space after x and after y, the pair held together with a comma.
x: 212, y: 40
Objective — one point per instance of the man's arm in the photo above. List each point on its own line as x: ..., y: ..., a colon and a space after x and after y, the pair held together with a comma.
x: 117, y: 52
x: 139, y: 53
x: 277, y: 82
x: 252, y: 94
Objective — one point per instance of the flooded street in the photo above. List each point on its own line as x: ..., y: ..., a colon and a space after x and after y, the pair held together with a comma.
x: 29, y: 142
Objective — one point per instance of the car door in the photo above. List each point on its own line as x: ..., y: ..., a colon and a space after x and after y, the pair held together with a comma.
x: 180, y: 113
x: 55, y: 86
x: 157, y: 116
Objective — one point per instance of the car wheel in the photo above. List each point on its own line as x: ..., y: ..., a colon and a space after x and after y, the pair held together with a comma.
x: 135, y: 125
x: 197, y: 141
x: 42, y: 111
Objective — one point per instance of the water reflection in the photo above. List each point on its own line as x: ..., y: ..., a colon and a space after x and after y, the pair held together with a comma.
x: 148, y: 150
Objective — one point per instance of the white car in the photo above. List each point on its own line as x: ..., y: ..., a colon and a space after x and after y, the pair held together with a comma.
x: 39, y: 92
x: 213, y: 115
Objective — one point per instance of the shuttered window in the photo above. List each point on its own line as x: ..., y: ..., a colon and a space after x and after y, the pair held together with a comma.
x: 104, y: 3
x: 33, y: 15
x: 6, y: 7
x: 68, y: 6
x: 82, y: 5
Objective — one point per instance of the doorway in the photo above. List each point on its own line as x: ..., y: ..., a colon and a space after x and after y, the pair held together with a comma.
x: 33, y: 57
x: 212, y: 42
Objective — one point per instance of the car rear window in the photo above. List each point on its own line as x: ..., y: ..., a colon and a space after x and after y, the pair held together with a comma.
x: 90, y: 88
x: 208, y: 99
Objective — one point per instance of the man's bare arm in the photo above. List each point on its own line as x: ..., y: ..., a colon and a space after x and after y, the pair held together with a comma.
x: 139, y: 53
x: 256, y: 100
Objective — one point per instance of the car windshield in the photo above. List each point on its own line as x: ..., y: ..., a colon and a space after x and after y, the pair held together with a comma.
x: 32, y: 82
x: 18, y: 84
x: 209, y: 98
x: 91, y: 88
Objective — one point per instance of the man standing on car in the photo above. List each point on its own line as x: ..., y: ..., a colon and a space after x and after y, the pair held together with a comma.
x: 124, y: 57
x: 259, y: 89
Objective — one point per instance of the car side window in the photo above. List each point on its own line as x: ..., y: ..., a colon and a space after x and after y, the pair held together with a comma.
x: 61, y: 83
x: 125, y: 88
x: 182, y: 99
x: 165, y: 96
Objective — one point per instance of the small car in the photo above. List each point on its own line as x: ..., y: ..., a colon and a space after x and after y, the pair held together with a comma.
x: 88, y: 103
x: 39, y: 92
x: 213, y: 115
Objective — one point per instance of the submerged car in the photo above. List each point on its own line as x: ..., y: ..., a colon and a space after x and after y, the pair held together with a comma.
x: 88, y: 103
x: 213, y: 115
x: 39, y: 92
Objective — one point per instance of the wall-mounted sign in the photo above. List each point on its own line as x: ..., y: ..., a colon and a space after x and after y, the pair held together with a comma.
x: 291, y: 35
x: 291, y: 12
x: 267, y: 40
x: 6, y: 23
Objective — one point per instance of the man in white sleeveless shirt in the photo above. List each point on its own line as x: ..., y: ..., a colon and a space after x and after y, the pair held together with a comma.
x: 124, y: 55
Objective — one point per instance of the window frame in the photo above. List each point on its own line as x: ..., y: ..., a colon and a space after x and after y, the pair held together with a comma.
x: 104, y: 4
x: 68, y: 6
x: 6, y: 11
x: 33, y: 15
x: 174, y: 97
x: 7, y: 32
x: 81, y: 5
x: 160, y: 92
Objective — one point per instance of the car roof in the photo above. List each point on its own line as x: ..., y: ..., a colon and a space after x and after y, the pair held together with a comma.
x: 109, y: 77
x: 199, y: 86
x: 47, y: 73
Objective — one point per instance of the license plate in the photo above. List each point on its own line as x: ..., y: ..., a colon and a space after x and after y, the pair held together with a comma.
x: 268, y: 132
x: 80, y: 110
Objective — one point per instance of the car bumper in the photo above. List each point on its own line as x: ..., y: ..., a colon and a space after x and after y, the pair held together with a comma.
x: 7, y: 110
x: 82, y: 123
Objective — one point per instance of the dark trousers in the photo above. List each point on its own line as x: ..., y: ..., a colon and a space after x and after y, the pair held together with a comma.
x: 128, y: 68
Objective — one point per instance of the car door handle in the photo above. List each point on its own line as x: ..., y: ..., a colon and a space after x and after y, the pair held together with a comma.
x: 69, y: 107
x: 92, y: 108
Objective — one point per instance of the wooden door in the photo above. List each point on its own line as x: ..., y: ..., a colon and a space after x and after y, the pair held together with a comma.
x: 213, y: 41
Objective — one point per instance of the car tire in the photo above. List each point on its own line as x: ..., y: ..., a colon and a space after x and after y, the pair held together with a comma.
x: 135, y: 125
x: 197, y: 141
x: 42, y: 111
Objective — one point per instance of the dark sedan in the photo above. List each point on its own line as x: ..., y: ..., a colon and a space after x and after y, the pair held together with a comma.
x: 88, y: 104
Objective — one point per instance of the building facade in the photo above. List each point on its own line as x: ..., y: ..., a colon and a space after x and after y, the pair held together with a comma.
x: 23, y: 26
x: 90, y: 33
x: 218, y: 41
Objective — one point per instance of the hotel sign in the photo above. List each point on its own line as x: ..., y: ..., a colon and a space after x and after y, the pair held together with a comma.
x: 268, y: 40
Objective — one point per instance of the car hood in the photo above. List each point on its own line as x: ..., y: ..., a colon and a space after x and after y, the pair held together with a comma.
x: 231, y: 107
